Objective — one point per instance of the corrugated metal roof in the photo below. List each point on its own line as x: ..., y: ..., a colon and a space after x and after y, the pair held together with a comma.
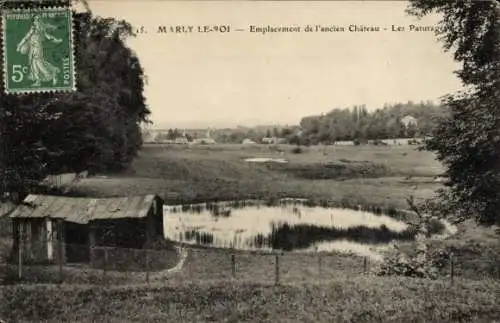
x: 82, y: 210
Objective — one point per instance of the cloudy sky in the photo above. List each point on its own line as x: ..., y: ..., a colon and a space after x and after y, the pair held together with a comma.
x: 245, y: 78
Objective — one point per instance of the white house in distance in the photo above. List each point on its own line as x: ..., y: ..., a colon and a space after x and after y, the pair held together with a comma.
x: 273, y: 140
x: 408, y: 120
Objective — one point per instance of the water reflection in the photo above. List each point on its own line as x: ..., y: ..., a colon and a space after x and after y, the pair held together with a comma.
x: 287, y: 224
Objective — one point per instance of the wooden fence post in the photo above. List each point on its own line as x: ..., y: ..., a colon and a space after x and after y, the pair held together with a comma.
x: 20, y: 257
x: 188, y: 263
x: 277, y: 269
x: 104, y: 265
x: 365, y: 264
x: 452, y: 273
x: 60, y: 259
x: 147, y: 267
x: 233, y: 265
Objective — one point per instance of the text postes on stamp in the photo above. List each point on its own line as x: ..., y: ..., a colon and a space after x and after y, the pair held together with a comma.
x: 38, y: 50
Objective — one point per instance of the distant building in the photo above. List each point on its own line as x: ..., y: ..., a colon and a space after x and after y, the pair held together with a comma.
x: 408, y: 120
x: 273, y: 140
x: 248, y: 142
x: 58, y: 182
x: 181, y: 141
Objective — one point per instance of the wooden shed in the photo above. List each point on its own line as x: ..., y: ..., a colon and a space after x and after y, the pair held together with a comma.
x: 49, y: 228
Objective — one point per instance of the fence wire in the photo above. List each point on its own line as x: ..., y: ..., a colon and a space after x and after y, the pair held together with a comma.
x: 81, y: 264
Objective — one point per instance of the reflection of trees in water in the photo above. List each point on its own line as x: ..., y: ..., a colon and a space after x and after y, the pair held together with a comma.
x: 286, y: 236
x: 302, y: 236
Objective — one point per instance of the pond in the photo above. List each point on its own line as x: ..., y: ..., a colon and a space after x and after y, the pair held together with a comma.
x: 289, y: 225
x: 266, y: 160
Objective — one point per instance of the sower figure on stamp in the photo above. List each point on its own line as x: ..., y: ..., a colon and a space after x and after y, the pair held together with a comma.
x: 32, y: 44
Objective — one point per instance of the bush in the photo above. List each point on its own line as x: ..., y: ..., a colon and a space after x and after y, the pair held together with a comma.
x: 401, y: 265
x: 378, y: 142
x: 436, y: 226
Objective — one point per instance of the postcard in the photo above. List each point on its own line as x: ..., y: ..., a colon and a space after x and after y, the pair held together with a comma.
x: 244, y: 161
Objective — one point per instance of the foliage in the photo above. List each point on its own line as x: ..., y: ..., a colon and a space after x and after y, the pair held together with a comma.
x: 467, y: 142
x: 297, y: 150
x: 359, y: 125
x: 96, y: 128
x: 423, y: 264
x: 354, y: 123
x: 400, y: 265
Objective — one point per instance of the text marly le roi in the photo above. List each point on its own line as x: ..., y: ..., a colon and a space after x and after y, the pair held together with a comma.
x: 186, y: 29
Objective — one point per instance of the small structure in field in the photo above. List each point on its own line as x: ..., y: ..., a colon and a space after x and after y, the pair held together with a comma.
x: 58, y: 182
x: 62, y: 229
x: 248, y: 141
x: 59, y: 179
x: 273, y: 140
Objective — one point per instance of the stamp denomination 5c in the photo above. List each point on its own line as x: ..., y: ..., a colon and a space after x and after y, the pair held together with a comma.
x: 38, y: 50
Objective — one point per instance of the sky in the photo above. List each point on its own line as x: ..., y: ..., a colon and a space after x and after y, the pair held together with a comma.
x: 247, y: 78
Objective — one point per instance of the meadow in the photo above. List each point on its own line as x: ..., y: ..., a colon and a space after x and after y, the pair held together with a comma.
x: 371, y: 177
x: 368, y: 175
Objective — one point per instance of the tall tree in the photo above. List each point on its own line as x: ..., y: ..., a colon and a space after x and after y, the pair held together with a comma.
x: 95, y: 128
x: 467, y: 140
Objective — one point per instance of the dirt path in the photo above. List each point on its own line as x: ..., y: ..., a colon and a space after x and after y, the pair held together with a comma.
x: 183, y: 254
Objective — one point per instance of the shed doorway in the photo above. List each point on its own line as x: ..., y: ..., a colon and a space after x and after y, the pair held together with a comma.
x: 77, y: 242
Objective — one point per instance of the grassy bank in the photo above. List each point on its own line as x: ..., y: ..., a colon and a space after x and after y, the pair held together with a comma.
x: 362, y: 299
x: 350, y: 175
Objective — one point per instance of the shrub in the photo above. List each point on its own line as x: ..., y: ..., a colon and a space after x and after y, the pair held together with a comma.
x: 400, y: 265
x: 436, y: 226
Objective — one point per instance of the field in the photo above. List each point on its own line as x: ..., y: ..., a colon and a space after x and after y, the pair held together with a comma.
x: 359, y: 175
x: 204, y: 291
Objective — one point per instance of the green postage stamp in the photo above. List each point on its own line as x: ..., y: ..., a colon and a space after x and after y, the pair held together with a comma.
x: 38, y: 50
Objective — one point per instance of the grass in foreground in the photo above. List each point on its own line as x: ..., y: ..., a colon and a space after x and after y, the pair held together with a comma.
x: 362, y: 299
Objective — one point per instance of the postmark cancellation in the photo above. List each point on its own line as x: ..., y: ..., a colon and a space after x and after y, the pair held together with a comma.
x: 38, y: 50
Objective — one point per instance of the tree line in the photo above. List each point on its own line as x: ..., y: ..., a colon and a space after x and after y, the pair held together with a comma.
x: 228, y: 135
x: 357, y: 123
x: 96, y: 128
